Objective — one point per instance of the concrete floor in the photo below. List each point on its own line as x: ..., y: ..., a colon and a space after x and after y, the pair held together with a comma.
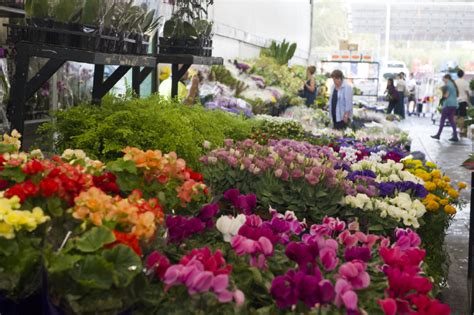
x: 449, y: 157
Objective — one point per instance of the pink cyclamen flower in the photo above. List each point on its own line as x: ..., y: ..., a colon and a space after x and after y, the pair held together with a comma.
x: 345, y: 295
x: 389, y: 306
x: 354, y: 273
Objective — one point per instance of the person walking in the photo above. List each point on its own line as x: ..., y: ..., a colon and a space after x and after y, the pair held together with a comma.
x: 340, y: 101
x: 411, y: 87
x: 392, y: 96
x: 463, y: 101
x: 449, y: 106
x: 402, y: 91
x: 310, y: 89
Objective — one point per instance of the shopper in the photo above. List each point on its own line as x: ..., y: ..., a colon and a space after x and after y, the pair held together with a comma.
x: 392, y: 96
x: 463, y: 101
x: 402, y: 91
x: 310, y: 89
x: 411, y: 87
x: 340, y: 101
x: 449, y: 106
x: 186, y: 96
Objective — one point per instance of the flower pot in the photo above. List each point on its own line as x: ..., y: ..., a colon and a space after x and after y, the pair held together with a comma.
x: 90, y: 38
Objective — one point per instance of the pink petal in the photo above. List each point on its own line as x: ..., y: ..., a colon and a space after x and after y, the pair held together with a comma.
x: 389, y: 306
x: 220, y: 283
x: 350, y: 300
x: 225, y: 296
x: 266, y: 245
x: 239, y: 297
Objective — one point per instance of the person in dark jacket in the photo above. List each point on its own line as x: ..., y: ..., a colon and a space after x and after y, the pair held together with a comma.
x: 310, y: 89
x: 392, y: 95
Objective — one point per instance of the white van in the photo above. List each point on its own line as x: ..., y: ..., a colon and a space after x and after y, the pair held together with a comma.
x: 388, y: 70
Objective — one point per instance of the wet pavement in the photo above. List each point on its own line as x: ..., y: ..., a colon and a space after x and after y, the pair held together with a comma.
x: 449, y: 157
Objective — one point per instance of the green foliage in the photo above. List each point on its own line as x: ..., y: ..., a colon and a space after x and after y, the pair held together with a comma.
x: 87, y: 278
x: 471, y: 85
x: 188, y: 20
x: 307, y: 201
x: 20, y: 266
x: 290, y: 79
x: 91, y: 12
x: 224, y: 76
x: 282, y: 53
x: 433, y: 233
x: 278, y: 130
x: 94, y: 239
x: 153, y: 123
x: 65, y: 10
x: 37, y: 9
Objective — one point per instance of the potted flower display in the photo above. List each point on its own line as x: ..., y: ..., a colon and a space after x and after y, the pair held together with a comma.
x: 188, y: 30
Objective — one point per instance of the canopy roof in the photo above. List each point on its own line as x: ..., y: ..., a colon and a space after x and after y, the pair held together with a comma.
x: 415, y: 20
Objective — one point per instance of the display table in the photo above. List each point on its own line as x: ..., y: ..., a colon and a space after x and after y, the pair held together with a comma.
x: 24, y: 86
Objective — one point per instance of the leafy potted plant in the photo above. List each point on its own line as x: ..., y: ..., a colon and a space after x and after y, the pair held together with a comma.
x: 188, y: 30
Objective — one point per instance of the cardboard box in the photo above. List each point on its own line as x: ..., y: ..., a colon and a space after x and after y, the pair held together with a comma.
x: 343, y: 45
x: 353, y: 47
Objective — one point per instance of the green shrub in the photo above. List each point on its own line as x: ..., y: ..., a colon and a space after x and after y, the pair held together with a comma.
x: 152, y: 123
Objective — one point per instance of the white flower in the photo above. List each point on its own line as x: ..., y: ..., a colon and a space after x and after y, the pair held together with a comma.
x: 68, y: 154
x: 393, y: 178
x: 206, y: 144
x: 81, y: 155
x: 229, y: 226
x: 37, y: 154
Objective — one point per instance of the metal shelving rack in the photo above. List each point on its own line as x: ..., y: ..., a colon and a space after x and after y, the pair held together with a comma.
x: 141, y: 66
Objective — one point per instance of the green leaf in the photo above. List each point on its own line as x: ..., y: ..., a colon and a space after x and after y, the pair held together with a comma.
x: 8, y: 247
x: 95, y: 239
x: 126, y: 264
x: 59, y: 262
x: 121, y: 165
x: 93, y: 272
x: 55, y: 206
x: 169, y: 28
x: 15, y: 174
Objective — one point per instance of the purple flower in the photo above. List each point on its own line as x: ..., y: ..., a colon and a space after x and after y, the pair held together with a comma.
x: 232, y: 195
x: 284, y: 291
x: 180, y: 228
x: 246, y: 203
x: 209, y: 211
x: 311, y: 289
x: 302, y: 254
x: 357, y: 253
x: 407, y: 239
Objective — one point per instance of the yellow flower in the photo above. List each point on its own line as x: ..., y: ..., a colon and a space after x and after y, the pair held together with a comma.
x: 462, y: 185
x: 450, y: 209
x: 6, y: 231
x: 430, y: 186
x: 15, y: 218
x: 431, y: 165
x: 432, y: 206
x: 446, y: 179
x: 426, y: 177
x: 453, y: 193
x: 444, y: 202
x: 436, y: 174
x: 39, y: 216
x: 439, y: 183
